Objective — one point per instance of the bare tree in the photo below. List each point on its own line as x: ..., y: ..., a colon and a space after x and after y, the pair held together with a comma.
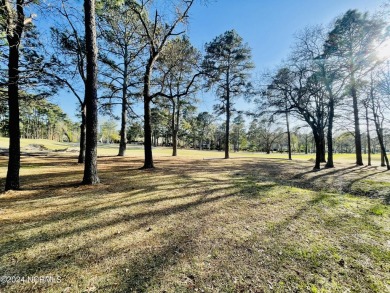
x: 157, y: 33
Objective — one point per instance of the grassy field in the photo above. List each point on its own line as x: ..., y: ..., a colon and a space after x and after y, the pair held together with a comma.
x: 196, y: 223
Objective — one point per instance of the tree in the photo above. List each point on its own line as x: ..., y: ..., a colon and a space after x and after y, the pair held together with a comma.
x: 160, y: 122
x: 134, y: 131
x: 41, y: 119
x: 14, y: 25
x: 366, y: 104
x: 352, y: 41
x: 378, y: 105
x: 157, y: 34
x: 306, y: 97
x: 275, y: 105
x: 238, y: 130
x: 264, y: 133
x: 310, y: 48
x: 71, y: 49
x: 227, y: 65
x: 90, y: 167
x: 177, y: 69
x: 108, y: 131
x: 203, y: 122
x: 122, y: 45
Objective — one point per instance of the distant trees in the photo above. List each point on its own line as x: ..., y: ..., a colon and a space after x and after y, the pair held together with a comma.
x: 203, y: 123
x: 41, y: 119
x: 227, y: 64
x: 238, y: 132
x: 108, y: 132
x: 134, y: 131
x: 264, y: 135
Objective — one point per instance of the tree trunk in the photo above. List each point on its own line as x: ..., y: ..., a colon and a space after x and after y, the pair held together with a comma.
x: 358, y: 141
x: 288, y: 137
x: 174, y: 143
x: 148, y: 164
x: 122, y: 143
x: 318, y: 141
x: 174, y: 130
x: 323, y: 146
x: 12, y: 181
x: 368, y: 137
x: 381, y: 143
x: 82, y: 134
x: 148, y: 137
x: 238, y: 140
x: 14, y: 34
x: 379, y: 132
x: 330, y: 163
x: 90, y: 167
x: 227, y: 134
x: 306, y: 144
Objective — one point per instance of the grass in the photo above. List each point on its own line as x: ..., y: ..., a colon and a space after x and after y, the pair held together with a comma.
x: 196, y: 223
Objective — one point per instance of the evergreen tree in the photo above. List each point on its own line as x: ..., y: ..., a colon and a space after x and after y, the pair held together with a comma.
x: 227, y: 65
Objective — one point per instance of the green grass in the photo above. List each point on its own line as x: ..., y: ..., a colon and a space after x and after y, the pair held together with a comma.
x: 49, y: 144
x: 196, y: 223
x: 137, y: 150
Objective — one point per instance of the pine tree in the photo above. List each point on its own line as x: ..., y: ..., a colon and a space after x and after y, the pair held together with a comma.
x: 227, y: 65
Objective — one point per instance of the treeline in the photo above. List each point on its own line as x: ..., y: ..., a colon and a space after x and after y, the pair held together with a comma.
x: 204, y: 131
x: 40, y: 119
x: 128, y: 54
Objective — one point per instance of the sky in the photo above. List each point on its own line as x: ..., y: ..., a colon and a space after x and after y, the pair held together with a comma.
x: 268, y: 26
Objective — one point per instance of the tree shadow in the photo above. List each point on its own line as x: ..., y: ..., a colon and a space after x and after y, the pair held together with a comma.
x: 112, y: 220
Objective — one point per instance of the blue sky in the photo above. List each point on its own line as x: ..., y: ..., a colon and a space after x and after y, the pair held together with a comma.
x: 268, y: 26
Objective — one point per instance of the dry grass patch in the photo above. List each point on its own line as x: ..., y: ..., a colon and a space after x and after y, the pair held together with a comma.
x: 205, y: 225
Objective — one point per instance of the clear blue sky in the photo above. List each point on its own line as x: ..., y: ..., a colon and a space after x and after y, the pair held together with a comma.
x: 268, y: 26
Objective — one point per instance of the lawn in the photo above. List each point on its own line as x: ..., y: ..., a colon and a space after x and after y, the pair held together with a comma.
x: 196, y: 223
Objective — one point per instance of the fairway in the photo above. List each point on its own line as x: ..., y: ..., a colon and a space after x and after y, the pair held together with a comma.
x: 196, y: 223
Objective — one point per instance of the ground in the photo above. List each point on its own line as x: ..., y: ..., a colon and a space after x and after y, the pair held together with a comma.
x: 196, y: 223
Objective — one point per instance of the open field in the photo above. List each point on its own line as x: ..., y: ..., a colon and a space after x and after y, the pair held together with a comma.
x: 196, y: 223
x: 137, y: 151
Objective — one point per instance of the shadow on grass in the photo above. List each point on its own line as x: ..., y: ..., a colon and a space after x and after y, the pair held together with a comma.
x: 169, y: 199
